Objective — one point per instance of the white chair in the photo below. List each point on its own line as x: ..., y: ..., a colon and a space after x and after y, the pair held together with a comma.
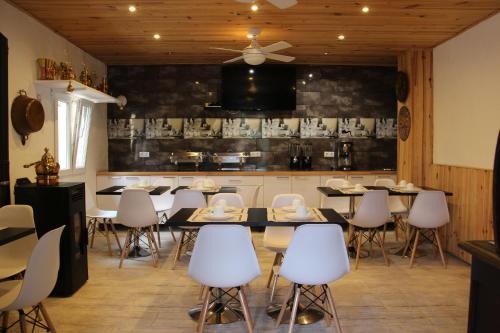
x: 97, y: 216
x: 428, y: 213
x: 232, y: 200
x: 371, y: 214
x: 15, y: 255
x: 39, y: 281
x: 340, y: 205
x: 255, y: 196
x: 223, y: 258
x: 205, y: 182
x: 396, y: 205
x: 162, y: 204
x: 136, y: 212
x: 276, y: 239
x: 186, y: 199
x: 315, y: 257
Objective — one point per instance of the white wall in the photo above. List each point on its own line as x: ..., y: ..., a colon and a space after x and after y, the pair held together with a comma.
x: 29, y: 40
x: 467, y: 97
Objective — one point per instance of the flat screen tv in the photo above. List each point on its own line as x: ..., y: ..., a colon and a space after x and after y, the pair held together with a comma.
x: 258, y: 88
x: 496, y: 196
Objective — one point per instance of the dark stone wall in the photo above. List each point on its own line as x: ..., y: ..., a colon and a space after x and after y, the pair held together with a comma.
x: 177, y: 91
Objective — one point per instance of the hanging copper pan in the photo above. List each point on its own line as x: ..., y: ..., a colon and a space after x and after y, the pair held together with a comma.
x: 27, y: 115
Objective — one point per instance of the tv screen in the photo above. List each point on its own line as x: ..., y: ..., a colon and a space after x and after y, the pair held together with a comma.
x: 258, y: 88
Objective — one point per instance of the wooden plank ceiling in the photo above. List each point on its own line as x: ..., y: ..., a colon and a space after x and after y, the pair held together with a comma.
x: 107, y: 30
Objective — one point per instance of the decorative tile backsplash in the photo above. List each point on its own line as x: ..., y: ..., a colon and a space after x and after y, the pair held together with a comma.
x: 165, y: 113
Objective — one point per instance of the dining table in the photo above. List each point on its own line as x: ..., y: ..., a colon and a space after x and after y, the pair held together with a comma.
x: 222, y: 311
x: 10, y: 234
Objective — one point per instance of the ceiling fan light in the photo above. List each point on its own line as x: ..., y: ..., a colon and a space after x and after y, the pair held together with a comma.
x: 254, y: 59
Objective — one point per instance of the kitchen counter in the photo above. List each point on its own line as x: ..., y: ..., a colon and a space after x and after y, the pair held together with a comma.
x: 256, y: 172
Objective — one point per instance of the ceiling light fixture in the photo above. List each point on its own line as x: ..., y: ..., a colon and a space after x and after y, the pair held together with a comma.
x: 132, y: 8
x: 156, y: 36
x: 254, y: 7
x: 365, y: 9
x: 341, y: 37
x: 251, y: 71
x: 326, y: 53
x: 311, y: 75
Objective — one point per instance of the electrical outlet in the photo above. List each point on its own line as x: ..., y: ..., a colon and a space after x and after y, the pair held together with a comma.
x: 255, y: 154
x: 144, y: 154
x: 329, y: 154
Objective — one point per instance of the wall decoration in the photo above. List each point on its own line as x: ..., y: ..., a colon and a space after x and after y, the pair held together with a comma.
x: 318, y: 127
x: 283, y: 128
x: 356, y: 127
x: 164, y: 128
x: 386, y: 128
x: 125, y: 128
x: 206, y: 128
x: 404, y: 123
x: 242, y: 128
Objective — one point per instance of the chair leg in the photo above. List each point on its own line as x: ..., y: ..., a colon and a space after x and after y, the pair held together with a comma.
x: 95, y: 225
x: 332, y: 308
x: 284, y: 304
x: 5, y: 320
x: 414, y: 250
x: 273, y: 287
x: 149, y: 236
x: 22, y: 322
x: 381, y: 243
x: 204, y: 310
x: 276, y: 261
x: 125, y: 248
x: 438, y: 241
x: 106, y: 234
x: 113, y: 231
x: 45, y: 314
x: 179, y: 248
x: 172, y: 233
x: 408, y: 242
x: 295, y: 306
x: 158, y: 233
x: 202, y: 292
x: 358, y: 249
x: 246, y: 310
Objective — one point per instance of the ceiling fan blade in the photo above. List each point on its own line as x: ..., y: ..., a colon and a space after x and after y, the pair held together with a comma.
x: 276, y: 47
x: 279, y: 57
x: 233, y: 60
x: 282, y: 4
x: 223, y: 49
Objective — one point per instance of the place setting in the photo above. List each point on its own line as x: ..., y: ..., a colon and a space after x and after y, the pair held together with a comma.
x: 219, y: 213
x: 295, y: 212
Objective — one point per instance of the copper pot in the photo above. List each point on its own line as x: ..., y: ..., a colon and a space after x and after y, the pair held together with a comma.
x: 27, y: 115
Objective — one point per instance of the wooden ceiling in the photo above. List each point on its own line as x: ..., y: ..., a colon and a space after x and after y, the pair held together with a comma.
x: 107, y: 30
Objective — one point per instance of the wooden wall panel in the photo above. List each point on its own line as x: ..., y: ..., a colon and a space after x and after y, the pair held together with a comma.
x: 471, y: 203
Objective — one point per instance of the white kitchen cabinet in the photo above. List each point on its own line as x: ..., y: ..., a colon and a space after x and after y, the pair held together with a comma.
x: 307, y: 187
x: 393, y: 177
x: 109, y: 202
x: 324, y: 179
x: 365, y: 180
x: 246, y: 187
x: 188, y: 180
x: 274, y: 185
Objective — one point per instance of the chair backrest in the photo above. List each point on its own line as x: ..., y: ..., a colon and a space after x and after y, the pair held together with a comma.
x: 316, y: 255
x: 341, y: 205
x: 17, y: 216
x: 187, y: 199
x: 41, y: 271
x: 255, y: 196
x: 282, y: 200
x: 373, y: 209
x: 429, y: 210
x: 136, y: 209
x: 386, y: 182
x: 223, y: 257
x: 232, y: 199
x: 395, y: 202
x: 205, y: 182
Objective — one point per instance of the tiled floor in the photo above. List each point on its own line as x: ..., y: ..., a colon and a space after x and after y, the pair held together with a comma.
x: 141, y: 299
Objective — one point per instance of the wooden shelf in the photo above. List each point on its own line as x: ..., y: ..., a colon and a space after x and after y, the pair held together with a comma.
x: 81, y: 90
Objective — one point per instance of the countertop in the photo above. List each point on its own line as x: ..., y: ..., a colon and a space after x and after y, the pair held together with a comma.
x: 256, y: 172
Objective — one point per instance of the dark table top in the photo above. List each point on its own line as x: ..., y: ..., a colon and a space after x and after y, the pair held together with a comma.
x: 8, y: 235
x: 257, y: 217
x: 482, y: 249
x: 159, y: 190
x: 331, y: 192
x: 223, y: 189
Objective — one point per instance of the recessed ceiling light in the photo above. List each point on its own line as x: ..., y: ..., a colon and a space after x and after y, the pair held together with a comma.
x: 311, y: 75
x: 341, y: 37
x: 251, y: 71
x: 365, y: 9
x: 304, y: 82
x: 249, y: 36
x: 326, y: 53
x: 156, y: 36
x: 250, y: 78
x: 196, y: 82
x: 254, y: 7
x: 132, y: 8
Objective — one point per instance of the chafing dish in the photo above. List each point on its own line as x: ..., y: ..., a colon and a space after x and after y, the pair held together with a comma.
x: 229, y: 159
x: 187, y: 158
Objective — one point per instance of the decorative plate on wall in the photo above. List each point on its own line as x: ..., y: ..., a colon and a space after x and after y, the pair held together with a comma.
x: 402, y: 86
x: 404, y: 123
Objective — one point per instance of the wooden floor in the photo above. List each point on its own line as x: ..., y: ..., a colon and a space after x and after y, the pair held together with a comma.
x: 141, y: 299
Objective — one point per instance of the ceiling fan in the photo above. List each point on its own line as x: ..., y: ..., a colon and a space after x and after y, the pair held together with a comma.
x: 254, y: 54
x: 281, y: 4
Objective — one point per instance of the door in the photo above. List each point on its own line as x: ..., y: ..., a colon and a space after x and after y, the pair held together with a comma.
x: 4, y: 124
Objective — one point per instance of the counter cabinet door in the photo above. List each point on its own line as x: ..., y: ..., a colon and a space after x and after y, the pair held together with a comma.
x: 274, y: 185
x: 307, y: 187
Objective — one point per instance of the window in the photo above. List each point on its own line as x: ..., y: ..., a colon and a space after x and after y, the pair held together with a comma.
x: 73, y: 125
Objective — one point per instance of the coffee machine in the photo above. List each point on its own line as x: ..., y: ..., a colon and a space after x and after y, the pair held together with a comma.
x: 294, y: 154
x: 306, y: 157
x: 344, y: 154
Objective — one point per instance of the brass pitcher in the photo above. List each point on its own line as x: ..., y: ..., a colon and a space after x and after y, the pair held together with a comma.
x: 47, y: 169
